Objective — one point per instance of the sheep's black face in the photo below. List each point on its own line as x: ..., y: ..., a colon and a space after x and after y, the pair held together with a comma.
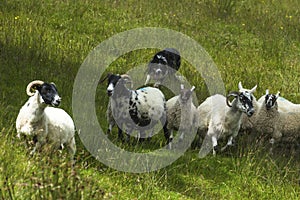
x: 112, y: 82
x: 246, y: 99
x: 158, y: 67
x: 49, y: 94
x: 270, y: 101
x: 163, y: 62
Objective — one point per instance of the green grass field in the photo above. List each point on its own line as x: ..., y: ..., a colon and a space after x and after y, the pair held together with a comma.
x: 256, y: 42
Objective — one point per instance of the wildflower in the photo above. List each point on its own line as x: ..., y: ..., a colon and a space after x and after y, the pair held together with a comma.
x: 17, y: 17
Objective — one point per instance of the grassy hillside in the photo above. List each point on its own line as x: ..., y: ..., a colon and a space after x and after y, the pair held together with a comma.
x: 256, y: 42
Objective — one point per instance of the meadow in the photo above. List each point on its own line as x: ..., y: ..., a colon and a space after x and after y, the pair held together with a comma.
x: 255, y: 42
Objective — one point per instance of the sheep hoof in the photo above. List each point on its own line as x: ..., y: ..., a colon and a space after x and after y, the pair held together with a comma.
x: 217, y: 148
x: 169, y: 146
x: 32, y: 153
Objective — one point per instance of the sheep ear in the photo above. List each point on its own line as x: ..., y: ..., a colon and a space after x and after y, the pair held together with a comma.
x: 267, y: 91
x: 106, y: 77
x: 53, y: 83
x: 253, y: 89
x: 277, y: 95
x: 240, y: 86
x: 193, y: 88
x: 181, y: 86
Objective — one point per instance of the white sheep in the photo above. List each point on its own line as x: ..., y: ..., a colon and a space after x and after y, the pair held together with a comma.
x: 279, y: 125
x: 46, y: 124
x: 139, y: 109
x: 222, y: 119
x: 181, y: 113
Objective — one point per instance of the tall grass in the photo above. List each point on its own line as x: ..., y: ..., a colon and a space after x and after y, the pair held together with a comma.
x: 256, y: 42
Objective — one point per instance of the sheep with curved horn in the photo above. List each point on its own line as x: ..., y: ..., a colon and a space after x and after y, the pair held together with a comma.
x: 220, y: 118
x: 44, y: 123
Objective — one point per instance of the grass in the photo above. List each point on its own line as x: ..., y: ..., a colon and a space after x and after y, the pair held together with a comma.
x: 256, y: 42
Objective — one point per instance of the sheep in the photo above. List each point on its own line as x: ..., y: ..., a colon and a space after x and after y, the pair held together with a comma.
x: 247, y: 122
x: 284, y: 105
x: 139, y: 109
x: 181, y: 113
x: 222, y: 121
x: 280, y: 126
x: 164, y: 63
x: 267, y: 119
x: 110, y: 118
x: 44, y: 123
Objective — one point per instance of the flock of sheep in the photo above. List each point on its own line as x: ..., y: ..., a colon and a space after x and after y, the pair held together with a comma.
x: 142, y: 109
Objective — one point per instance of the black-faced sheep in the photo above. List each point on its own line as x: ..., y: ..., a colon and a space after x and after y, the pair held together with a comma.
x: 282, y: 126
x: 164, y: 63
x: 139, y: 109
x: 47, y: 124
x: 222, y: 119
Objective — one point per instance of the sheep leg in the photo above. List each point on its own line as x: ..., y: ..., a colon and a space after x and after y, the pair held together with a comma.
x: 110, y: 126
x: 120, y: 134
x: 272, y: 142
x: 147, y: 79
x: 150, y: 135
x: 37, y: 146
x: 166, y: 132
x: 181, y: 136
x: 72, y: 150
x: 141, y: 137
x: 41, y: 139
x: 215, y: 144
x: 229, y: 143
x: 170, y: 140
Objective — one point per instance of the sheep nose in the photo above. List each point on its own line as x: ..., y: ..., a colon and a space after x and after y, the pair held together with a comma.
x: 158, y: 71
x: 58, y: 100
x: 109, y: 92
x: 250, y: 112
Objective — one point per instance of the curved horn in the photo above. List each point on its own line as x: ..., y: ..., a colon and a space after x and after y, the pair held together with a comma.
x: 31, y: 86
x: 106, y: 77
x: 235, y: 94
x: 192, y: 89
x: 127, y: 78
